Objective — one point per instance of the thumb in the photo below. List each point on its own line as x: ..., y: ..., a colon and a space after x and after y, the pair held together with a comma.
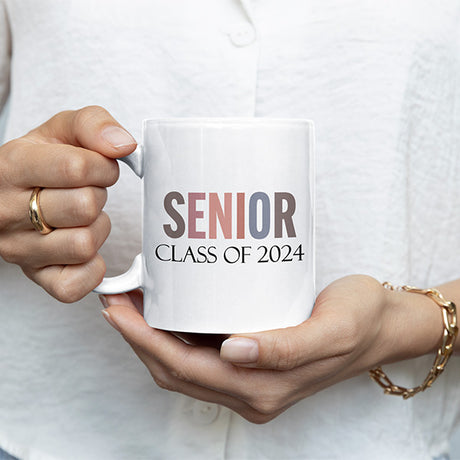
x: 122, y: 314
x: 278, y: 349
x: 91, y: 127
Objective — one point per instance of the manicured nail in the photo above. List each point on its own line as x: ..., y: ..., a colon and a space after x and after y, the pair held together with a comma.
x: 117, y: 137
x: 103, y: 300
x: 239, y: 350
x: 109, y: 319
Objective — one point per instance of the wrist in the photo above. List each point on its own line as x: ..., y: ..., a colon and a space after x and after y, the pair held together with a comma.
x: 447, y: 342
x: 415, y: 325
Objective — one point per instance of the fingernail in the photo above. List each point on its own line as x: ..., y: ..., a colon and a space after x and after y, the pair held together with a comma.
x: 109, y: 319
x: 117, y: 137
x: 239, y: 350
x: 103, y: 300
x: 108, y: 300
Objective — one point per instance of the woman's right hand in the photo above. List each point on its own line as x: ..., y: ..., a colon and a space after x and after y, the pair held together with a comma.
x: 73, y: 158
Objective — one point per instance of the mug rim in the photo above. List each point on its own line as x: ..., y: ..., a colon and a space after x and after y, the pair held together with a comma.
x: 228, y: 121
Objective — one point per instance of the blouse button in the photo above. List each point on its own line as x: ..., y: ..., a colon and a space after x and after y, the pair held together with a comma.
x: 204, y: 413
x: 242, y: 35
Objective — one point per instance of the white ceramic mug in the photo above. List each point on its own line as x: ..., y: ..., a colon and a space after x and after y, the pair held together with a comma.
x: 228, y: 224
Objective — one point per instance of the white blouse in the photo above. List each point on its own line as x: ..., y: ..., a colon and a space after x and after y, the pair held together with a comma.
x: 381, y: 80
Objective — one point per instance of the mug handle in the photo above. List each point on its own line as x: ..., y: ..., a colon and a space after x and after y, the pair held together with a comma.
x: 132, y: 279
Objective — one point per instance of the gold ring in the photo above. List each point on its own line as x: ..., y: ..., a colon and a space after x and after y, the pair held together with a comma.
x: 35, y: 213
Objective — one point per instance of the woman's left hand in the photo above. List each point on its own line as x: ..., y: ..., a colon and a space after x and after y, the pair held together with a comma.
x: 356, y: 325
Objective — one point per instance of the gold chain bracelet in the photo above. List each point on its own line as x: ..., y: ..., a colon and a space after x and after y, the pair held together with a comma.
x: 449, y: 316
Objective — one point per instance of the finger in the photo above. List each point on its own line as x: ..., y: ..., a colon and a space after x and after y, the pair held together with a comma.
x: 69, y: 283
x: 91, y: 127
x: 64, y: 246
x: 130, y: 301
x: 322, y: 336
x: 80, y: 207
x: 166, y: 348
x: 192, y: 364
x: 345, y: 320
x: 137, y: 298
x: 62, y: 208
x: 57, y: 166
x: 124, y: 315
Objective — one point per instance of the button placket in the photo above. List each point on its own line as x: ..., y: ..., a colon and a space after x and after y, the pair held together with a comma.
x: 204, y: 413
x: 242, y: 34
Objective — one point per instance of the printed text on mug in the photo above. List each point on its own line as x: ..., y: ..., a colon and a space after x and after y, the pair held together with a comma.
x: 205, y: 215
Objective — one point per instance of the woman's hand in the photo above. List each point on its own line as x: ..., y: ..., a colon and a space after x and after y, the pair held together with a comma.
x: 356, y: 325
x: 72, y: 157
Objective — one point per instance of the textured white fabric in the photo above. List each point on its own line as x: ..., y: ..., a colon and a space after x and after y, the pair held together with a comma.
x: 4, y: 55
x: 381, y: 80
